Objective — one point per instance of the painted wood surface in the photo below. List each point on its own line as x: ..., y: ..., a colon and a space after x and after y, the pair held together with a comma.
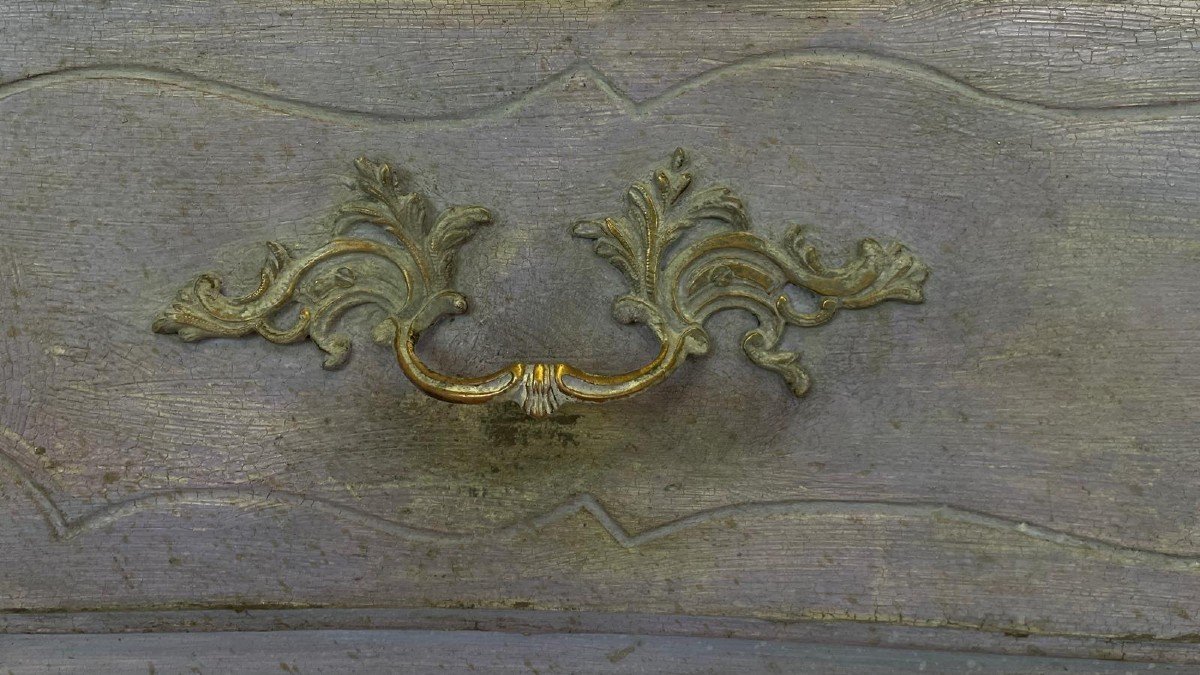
x: 349, y: 651
x: 1015, y: 457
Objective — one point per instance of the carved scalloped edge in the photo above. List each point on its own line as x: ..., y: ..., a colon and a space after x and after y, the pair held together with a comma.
x: 250, y: 498
x: 865, y: 60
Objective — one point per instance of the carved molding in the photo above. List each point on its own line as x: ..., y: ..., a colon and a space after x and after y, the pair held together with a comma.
x: 64, y: 526
x: 676, y: 283
x: 595, y: 79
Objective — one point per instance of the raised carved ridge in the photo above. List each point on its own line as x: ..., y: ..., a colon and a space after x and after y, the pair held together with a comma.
x: 675, y: 287
x: 860, y: 59
x: 253, y: 499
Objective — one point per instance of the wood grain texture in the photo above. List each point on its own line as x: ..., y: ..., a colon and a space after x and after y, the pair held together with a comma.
x: 443, y: 56
x: 1018, y: 455
x: 539, y: 622
x: 345, y: 651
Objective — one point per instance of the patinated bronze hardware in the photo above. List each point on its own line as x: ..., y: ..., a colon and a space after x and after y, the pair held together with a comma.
x: 674, y: 289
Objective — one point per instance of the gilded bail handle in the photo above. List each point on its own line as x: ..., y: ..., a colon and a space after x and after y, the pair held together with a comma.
x: 687, y: 253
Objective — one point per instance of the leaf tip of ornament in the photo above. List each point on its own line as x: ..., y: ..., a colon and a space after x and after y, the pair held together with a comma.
x: 678, y: 158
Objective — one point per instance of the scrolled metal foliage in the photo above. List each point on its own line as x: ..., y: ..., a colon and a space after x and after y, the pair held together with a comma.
x: 407, y: 274
x: 390, y: 251
x: 676, y: 291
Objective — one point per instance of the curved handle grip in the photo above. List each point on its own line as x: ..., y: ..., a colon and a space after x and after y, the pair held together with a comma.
x: 675, y: 286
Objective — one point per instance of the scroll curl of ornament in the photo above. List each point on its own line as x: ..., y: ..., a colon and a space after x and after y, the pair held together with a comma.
x: 392, y: 251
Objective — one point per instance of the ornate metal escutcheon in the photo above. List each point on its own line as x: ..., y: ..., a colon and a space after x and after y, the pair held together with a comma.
x: 675, y: 285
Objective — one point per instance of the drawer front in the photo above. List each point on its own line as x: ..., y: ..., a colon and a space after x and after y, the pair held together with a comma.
x: 881, y: 319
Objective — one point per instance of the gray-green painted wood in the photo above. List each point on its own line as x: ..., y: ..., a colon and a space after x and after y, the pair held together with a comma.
x: 1018, y: 455
x: 389, y: 651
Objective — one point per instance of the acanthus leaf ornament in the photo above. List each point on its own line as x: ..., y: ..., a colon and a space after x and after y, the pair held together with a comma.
x: 674, y: 286
x: 407, y: 274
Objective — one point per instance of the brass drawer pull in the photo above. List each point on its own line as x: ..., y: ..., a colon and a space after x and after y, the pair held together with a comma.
x: 674, y: 289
